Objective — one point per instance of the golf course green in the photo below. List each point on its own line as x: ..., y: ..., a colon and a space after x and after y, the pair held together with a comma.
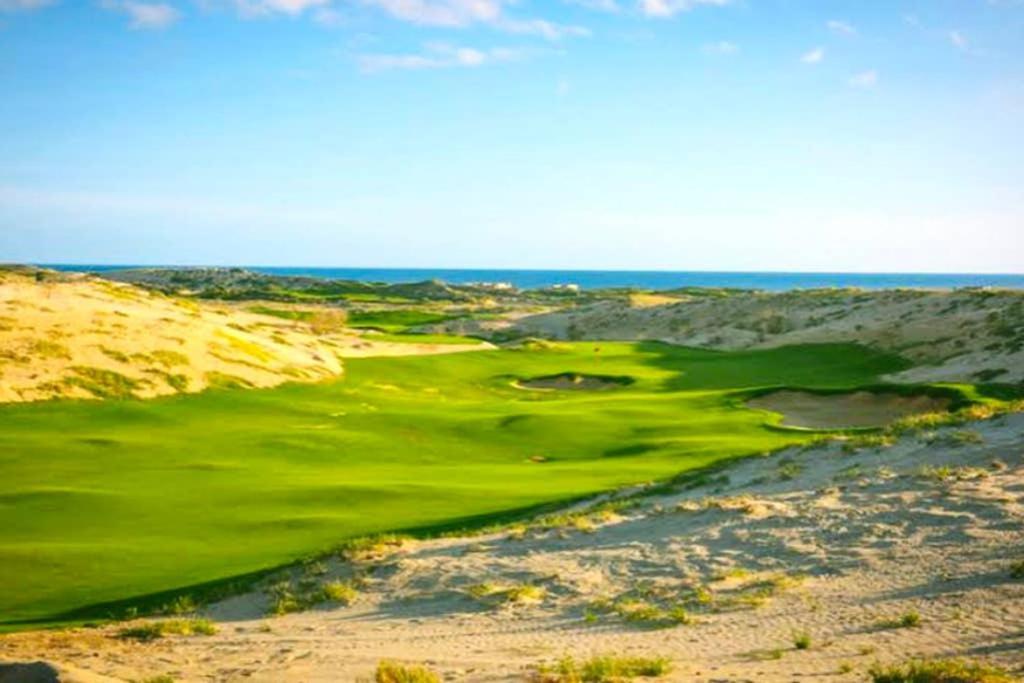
x: 112, y: 500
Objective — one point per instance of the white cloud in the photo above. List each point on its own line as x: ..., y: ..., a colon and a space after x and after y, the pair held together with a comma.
x: 722, y: 47
x: 145, y: 15
x: 20, y: 5
x: 865, y: 79
x: 263, y: 8
x: 540, y: 27
x: 841, y: 27
x: 669, y: 8
x: 439, y: 56
x: 462, y: 13
x: 959, y: 41
x: 815, y: 56
x: 452, y: 13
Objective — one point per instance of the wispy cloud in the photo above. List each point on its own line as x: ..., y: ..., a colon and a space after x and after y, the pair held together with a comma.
x: 463, y: 13
x: 439, y: 56
x: 145, y: 15
x: 540, y: 27
x: 329, y: 16
x: 23, y: 5
x: 864, y: 79
x: 611, y: 6
x: 842, y: 28
x: 959, y: 41
x: 451, y: 13
x: 722, y: 48
x: 670, y: 8
x: 263, y: 8
x: 815, y: 56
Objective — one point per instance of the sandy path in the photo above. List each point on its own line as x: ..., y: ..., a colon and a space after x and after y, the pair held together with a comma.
x: 845, y: 541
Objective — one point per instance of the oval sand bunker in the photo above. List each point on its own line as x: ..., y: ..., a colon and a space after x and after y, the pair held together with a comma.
x: 572, y: 381
x: 839, y: 411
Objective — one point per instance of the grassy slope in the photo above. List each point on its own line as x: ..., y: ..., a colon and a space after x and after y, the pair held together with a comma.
x: 103, y: 501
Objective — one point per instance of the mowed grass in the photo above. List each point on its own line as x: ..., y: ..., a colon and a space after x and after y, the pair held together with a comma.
x: 105, y: 501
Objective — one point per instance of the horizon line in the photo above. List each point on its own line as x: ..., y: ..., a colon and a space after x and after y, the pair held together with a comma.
x: 170, y: 266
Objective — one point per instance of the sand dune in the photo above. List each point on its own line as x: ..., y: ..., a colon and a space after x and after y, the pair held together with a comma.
x: 840, y: 545
x: 961, y: 335
x: 76, y: 336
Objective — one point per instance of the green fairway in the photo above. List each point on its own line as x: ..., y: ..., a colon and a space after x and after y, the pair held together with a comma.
x: 104, y: 501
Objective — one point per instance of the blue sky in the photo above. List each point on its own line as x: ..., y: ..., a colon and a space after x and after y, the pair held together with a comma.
x: 645, y: 134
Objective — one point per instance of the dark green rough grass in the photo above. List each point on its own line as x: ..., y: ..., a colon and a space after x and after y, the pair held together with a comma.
x: 395, y: 320
x: 106, y: 501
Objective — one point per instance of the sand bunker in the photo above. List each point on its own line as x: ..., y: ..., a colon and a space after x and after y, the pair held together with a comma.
x: 572, y: 381
x: 838, y: 411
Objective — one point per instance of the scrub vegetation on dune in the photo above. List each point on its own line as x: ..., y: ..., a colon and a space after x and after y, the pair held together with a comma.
x: 939, y: 671
x: 602, y: 669
x: 302, y: 467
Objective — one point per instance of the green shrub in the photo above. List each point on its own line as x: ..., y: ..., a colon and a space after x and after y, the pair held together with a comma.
x: 177, y: 382
x: 114, y: 354
x: 495, y: 594
x: 604, y: 669
x: 802, y: 640
x: 308, y: 592
x: 1017, y: 570
x: 340, y: 591
x: 370, y: 547
x: 169, y: 358
x: 169, y: 627
x: 910, y: 619
x: 222, y: 380
x: 44, y: 348
x: 392, y: 672
x: 105, y: 384
x: 938, y: 671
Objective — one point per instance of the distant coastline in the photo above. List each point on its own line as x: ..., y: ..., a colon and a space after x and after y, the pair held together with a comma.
x: 591, y: 279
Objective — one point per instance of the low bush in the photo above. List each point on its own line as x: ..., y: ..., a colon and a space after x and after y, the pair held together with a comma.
x: 603, y: 669
x: 910, y: 619
x: 392, y: 672
x: 938, y: 671
x: 169, y: 627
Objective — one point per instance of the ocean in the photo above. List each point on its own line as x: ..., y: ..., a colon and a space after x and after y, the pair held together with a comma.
x: 643, y: 279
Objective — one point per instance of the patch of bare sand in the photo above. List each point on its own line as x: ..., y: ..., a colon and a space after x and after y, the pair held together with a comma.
x: 821, y: 541
x: 852, y: 410
x: 75, y: 336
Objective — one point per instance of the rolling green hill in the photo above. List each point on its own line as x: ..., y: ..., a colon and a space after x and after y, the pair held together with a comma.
x: 104, y: 501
